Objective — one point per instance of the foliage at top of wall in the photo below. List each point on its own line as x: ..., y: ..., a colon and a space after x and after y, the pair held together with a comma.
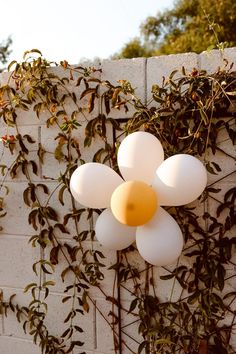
x: 187, y: 113
x: 190, y: 26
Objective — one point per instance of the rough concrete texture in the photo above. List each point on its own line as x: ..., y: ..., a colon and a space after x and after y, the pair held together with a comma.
x: 17, y: 256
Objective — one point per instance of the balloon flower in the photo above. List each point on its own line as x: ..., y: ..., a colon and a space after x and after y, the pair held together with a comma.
x: 133, y: 203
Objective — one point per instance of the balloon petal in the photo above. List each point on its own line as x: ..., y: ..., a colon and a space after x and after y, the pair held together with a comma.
x: 160, y: 241
x: 139, y: 155
x: 112, y: 234
x: 179, y: 180
x: 92, y: 184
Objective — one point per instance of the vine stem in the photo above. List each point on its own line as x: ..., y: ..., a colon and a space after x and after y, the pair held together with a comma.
x: 92, y: 301
x: 145, y: 115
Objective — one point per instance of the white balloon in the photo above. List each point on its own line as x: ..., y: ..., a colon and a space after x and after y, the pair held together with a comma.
x: 160, y: 241
x: 112, y: 234
x: 92, y: 184
x: 179, y: 180
x: 139, y: 155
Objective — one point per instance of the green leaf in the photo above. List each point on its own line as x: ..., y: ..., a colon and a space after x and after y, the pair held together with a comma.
x: 32, y: 218
x: 194, y: 297
x: 78, y: 343
x: 49, y: 283
x: 62, y: 228
x: 166, y: 277
x: 26, y: 197
x: 3, y: 169
x: 29, y: 286
x: 27, y: 52
x: 221, y: 276
x: 231, y: 294
x: 34, y: 167
x: 65, y: 333
x: 29, y: 138
x: 173, y: 74
x: 163, y: 341
x: 51, y: 213
x: 58, y: 153
x: 143, y: 345
x: 210, y: 169
x: 217, y: 167
x: 61, y: 193
x: 87, y: 92
x: 54, y: 254
x: 78, y: 329
x: 11, y: 64
x: 213, y: 190
x: 64, y: 272
x: 44, y: 187
x: 133, y: 305
x: 45, y: 270
x: 91, y: 102
x: 210, y: 47
x: 66, y: 298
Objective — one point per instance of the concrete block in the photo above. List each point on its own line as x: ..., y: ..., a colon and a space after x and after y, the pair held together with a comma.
x: 227, y: 146
x: 230, y: 282
x: 162, y: 66
x: 167, y: 290
x: 52, y: 167
x: 226, y: 163
x: 215, y: 59
x: 11, y: 326
x: 52, y: 199
x: 128, y: 287
x: 24, y: 117
x: 212, y: 209
x: 233, y: 339
x: 132, y: 70
x: 10, y: 345
x: 161, y: 288
x: 105, y: 342
x: 129, y: 327
x: 222, y: 132
x: 55, y: 320
x: 106, y: 284
x: 15, y: 269
x: 16, y: 259
x: 224, y: 185
x: 211, y: 61
x: 83, y: 225
x: 29, y: 117
x: 16, y: 220
x: 199, y: 209
x: 4, y: 78
x: 1, y: 325
x: 71, y: 86
x: 228, y: 321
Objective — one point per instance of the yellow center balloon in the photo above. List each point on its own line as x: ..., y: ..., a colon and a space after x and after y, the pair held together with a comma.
x: 134, y: 203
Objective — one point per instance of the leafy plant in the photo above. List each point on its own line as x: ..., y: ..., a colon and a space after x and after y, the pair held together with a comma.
x: 187, y: 114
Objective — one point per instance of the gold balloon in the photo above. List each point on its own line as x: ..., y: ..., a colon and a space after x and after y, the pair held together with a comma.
x: 134, y: 203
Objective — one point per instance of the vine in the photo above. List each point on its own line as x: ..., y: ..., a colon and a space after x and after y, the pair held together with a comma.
x: 187, y: 114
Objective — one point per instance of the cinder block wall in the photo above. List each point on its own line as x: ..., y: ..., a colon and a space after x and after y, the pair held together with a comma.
x: 17, y: 256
